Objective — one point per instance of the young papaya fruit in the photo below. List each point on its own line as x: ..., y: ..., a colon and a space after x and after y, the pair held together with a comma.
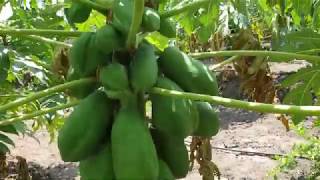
x: 77, y: 13
x: 98, y: 166
x: 78, y: 52
x: 133, y: 152
x: 208, y: 120
x: 82, y: 91
x: 94, y: 59
x: 164, y: 171
x: 143, y: 68
x: 173, y: 152
x: 85, y: 129
x: 114, y: 77
x: 150, y: 20
x: 122, y: 15
x: 108, y: 39
x: 191, y: 75
x: 173, y: 116
x: 85, y: 58
x: 167, y: 28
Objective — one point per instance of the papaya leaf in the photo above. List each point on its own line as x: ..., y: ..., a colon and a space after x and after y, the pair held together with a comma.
x: 6, y: 139
x: 296, y: 41
x: 3, y: 148
x: 304, y: 75
x: 316, y: 123
x: 304, y: 84
x: 158, y: 40
x: 9, y: 129
x: 241, y: 6
x: 4, y: 65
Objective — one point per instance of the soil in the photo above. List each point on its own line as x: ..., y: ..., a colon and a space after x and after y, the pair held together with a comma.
x: 240, y: 130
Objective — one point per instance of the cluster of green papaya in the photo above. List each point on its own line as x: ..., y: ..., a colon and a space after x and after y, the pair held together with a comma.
x: 109, y: 132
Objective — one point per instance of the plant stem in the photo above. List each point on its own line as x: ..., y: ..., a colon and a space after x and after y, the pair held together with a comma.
x: 252, y: 106
x: 181, y: 9
x: 225, y: 62
x: 138, y: 9
x: 49, y: 41
x: 45, y: 92
x: 276, y: 55
x: 310, y: 51
x: 41, y: 32
x: 38, y: 113
x: 94, y: 5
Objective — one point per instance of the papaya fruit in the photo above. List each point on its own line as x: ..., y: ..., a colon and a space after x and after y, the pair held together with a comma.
x: 167, y: 28
x: 77, y: 53
x: 173, y: 116
x: 173, y: 152
x: 143, y: 68
x: 77, y: 13
x: 86, y: 128
x: 208, y: 120
x: 81, y: 91
x: 85, y: 58
x: 122, y: 15
x: 108, y: 39
x: 133, y: 152
x: 191, y: 75
x: 114, y: 77
x: 164, y: 171
x: 98, y: 166
x: 150, y: 20
x: 94, y: 59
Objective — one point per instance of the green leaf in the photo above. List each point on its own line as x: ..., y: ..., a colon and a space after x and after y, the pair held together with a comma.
x: 303, y: 84
x: 241, y: 6
x: 300, y: 95
x: 9, y: 129
x: 96, y: 20
x: 302, y: 7
x: 4, y: 148
x: 305, y: 75
x: 6, y: 139
x: 296, y: 41
x: 159, y: 41
x: 4, y: 65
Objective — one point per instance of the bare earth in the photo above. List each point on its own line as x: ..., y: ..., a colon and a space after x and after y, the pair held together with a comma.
x: 241, y: 130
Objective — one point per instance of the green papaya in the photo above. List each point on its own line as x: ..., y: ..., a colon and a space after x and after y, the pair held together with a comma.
x: 191, y: 75
x: 122, y: 15
x: 164, y: 171
x: 150, y: 20
x: 77, y: 13
x: 167, y: 28
x: 94, y: 59
x: 173, y: 116
x: 78, y: 52
x: 173, y: 152
x: 114, y: 77
x: 79, y: 92
x: 86, y: 128
x: 143, y: 68
x: 85, y: 58
x: 108, y: 39
x: 208, y: 120
x: 133, y: 152
x: 98, y: 166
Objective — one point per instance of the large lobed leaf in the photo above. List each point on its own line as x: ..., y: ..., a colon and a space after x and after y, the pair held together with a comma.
x: 305, y: 87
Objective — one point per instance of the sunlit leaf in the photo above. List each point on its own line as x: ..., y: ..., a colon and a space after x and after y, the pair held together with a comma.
x: 155, y: 38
